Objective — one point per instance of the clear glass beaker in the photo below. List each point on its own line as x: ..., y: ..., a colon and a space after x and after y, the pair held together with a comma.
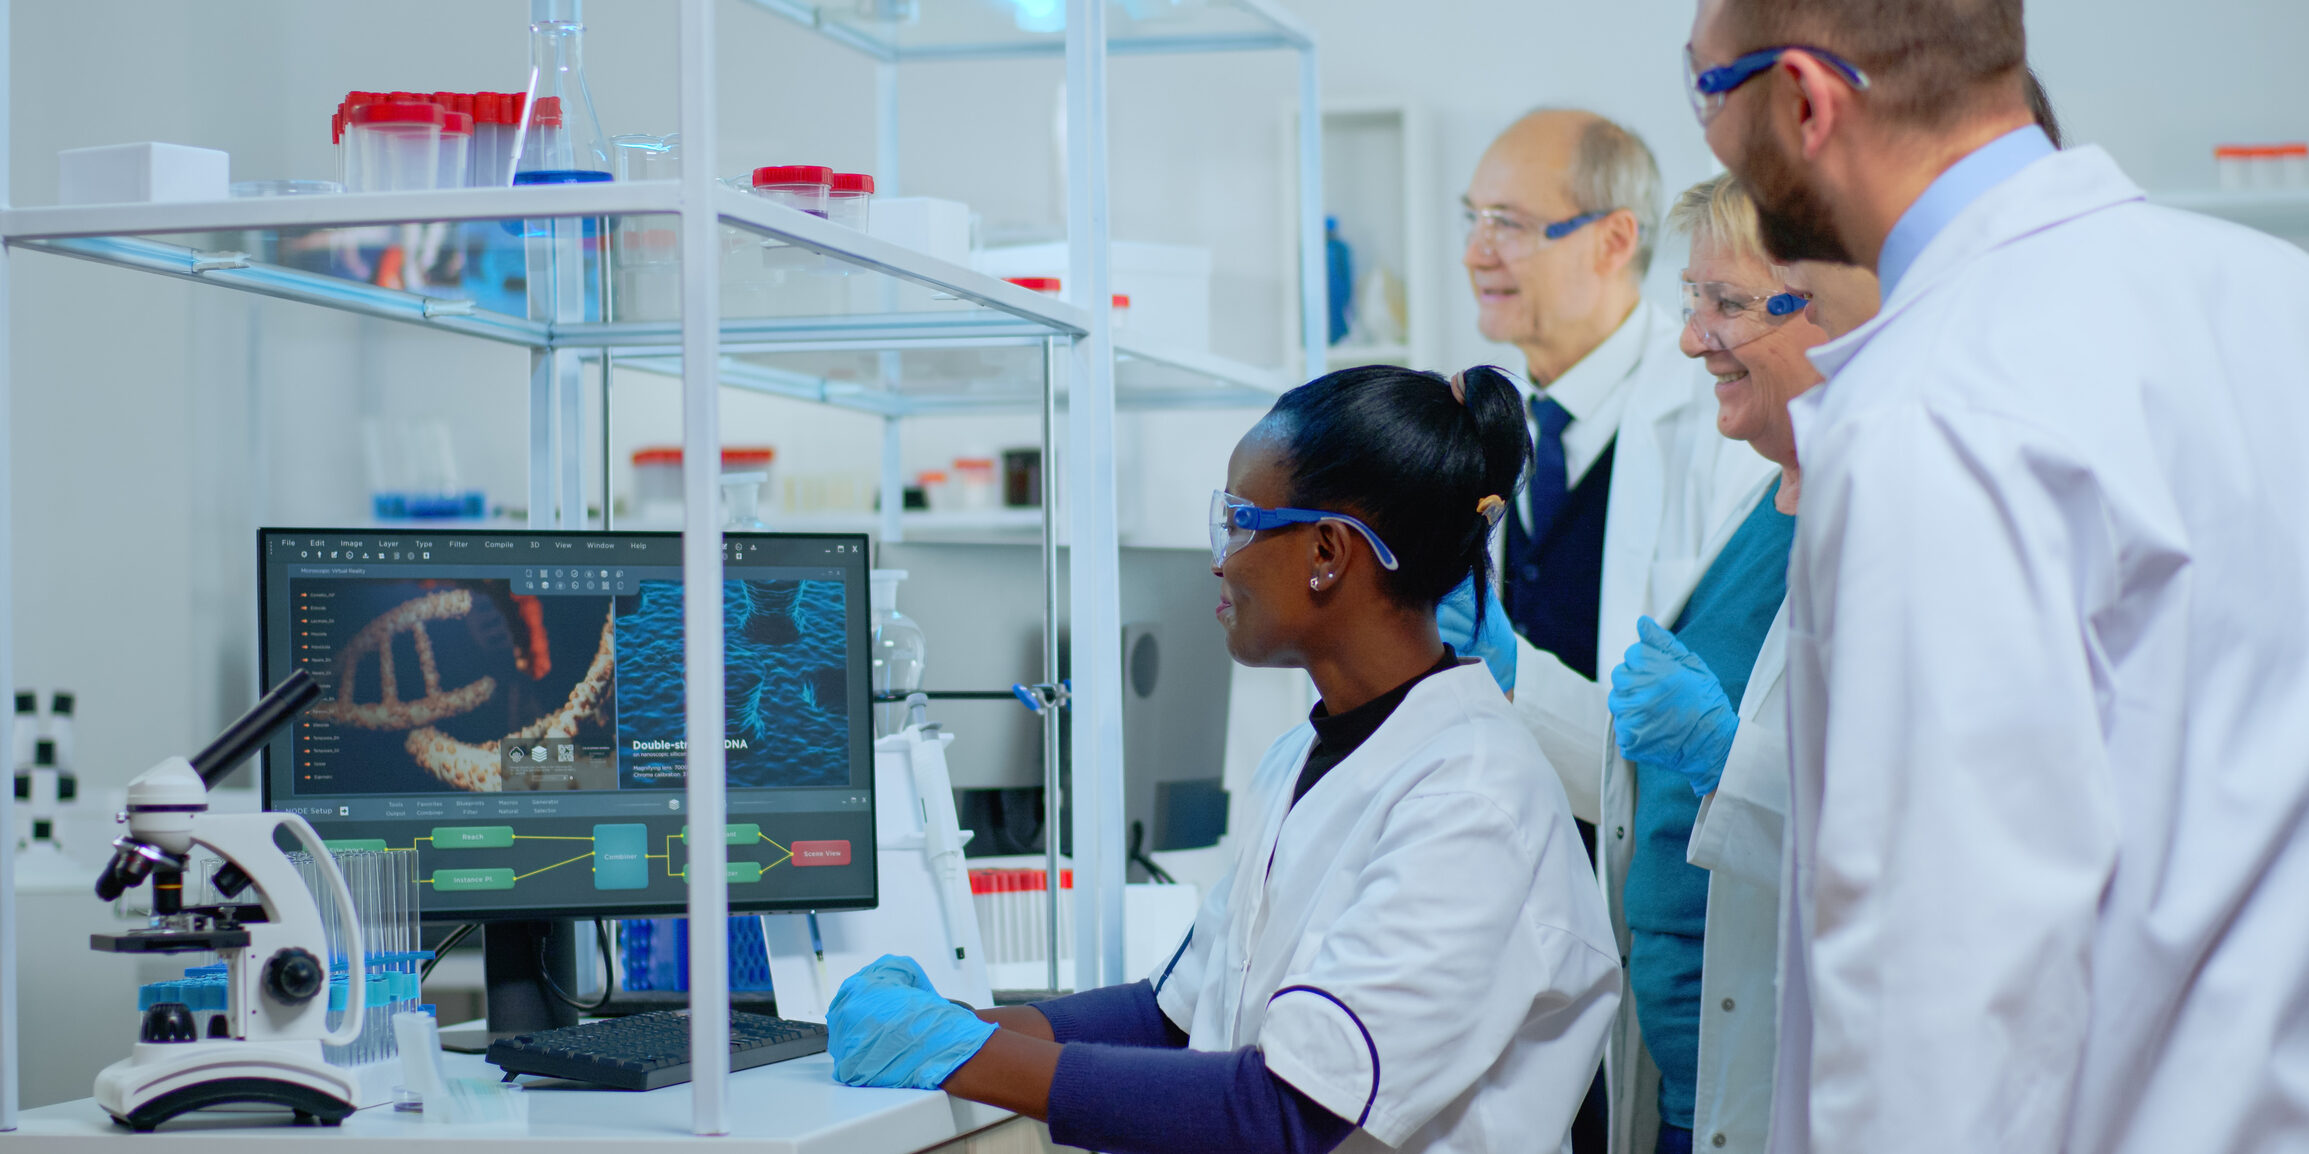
x: 646, y: 250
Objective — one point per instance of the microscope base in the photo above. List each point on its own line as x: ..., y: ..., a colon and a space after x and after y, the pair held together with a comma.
x: 162, y: 1080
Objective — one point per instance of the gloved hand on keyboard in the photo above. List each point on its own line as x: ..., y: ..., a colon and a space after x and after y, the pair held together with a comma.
x: 1495, y: 643
x: 889, y: 1027
x: 1669, y: 710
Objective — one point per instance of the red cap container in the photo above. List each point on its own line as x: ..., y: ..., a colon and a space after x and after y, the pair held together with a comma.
x: 793, y: 175
x: 849, y: 198
x: 735, y: 458
x: 802, y: 186
x: 398, y: 112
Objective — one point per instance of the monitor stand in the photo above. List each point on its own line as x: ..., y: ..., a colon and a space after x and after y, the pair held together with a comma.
x: 516, y: 960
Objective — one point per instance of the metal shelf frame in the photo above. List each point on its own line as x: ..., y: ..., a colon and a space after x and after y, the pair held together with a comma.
x: 1079, y: 385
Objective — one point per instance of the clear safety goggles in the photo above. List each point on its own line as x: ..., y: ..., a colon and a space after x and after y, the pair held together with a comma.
x: 1726, y: 316
x: 1235, y: 522
x: 1509, y: 236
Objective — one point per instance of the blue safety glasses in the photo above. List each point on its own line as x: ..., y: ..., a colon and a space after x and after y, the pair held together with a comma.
x: 1709, y: 87
x: 1725, y: 317
x: 1508, y: 236
x: 1234, y: 522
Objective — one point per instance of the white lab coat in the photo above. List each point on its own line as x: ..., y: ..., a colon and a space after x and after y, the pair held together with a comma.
x: 1737, y: 839
x: 1418, y: 947
x: 2048, y: 665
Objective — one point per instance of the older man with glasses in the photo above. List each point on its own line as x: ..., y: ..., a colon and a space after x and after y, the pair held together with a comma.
x: 1631, y: 481
x: 1561, y: 217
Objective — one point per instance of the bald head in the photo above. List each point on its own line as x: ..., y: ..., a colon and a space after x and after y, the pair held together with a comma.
x: 1582, y: 161
x: 1537, y: 150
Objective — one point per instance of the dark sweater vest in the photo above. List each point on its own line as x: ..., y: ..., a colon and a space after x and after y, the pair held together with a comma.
x: 1554, y: 584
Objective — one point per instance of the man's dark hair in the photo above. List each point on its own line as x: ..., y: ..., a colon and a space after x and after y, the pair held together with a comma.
x: 1929, y: 62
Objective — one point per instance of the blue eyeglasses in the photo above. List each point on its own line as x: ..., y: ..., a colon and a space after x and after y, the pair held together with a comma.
x: 1709, y: 87
x: 1234, y: 522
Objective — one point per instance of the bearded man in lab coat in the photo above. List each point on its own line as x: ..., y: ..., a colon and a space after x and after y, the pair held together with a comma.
x: 2049, y: 707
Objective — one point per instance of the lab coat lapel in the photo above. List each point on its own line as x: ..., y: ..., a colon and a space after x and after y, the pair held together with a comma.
x: 1632, y: 534
x: 1771, y: 663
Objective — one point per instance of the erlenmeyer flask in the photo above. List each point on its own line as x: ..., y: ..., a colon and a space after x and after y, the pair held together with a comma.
x: 561, y: 137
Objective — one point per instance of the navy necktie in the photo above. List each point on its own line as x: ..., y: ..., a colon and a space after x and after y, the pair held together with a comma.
x: 1549, y: 480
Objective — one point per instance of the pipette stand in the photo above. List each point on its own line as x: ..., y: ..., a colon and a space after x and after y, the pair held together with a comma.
x: 266, y: 1047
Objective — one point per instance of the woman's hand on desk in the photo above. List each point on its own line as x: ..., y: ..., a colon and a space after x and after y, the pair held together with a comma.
x: 889, y: 1027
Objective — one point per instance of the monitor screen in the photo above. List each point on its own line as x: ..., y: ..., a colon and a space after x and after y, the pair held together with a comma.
x: 509, y: 706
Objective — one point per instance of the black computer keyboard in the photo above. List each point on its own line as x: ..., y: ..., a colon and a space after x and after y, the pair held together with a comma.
x: 646, y: 1051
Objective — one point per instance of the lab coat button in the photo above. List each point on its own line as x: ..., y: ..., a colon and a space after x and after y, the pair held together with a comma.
x: 1727, y: 1009
x: 1718, y: 1140
x: 1619, y: 831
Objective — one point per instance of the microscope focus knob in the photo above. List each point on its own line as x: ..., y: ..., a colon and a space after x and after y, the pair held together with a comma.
x: 294, y: 976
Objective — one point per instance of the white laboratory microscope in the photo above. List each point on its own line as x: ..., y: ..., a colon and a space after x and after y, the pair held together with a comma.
x: 266, y: 1046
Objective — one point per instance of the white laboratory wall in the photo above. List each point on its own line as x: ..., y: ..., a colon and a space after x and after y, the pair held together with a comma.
x: 148, y: 439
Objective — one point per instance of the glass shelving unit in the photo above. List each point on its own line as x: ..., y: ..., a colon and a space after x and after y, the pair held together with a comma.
x: 889, y: 331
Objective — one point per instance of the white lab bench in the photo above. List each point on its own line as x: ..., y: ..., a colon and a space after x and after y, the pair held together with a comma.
x: 790, y: 1107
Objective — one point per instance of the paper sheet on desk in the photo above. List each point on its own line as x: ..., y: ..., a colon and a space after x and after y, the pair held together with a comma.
x: 908, y: 920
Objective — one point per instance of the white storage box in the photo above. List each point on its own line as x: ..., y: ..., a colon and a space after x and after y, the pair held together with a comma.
x: 1169, y: 285
x: 147, y: 173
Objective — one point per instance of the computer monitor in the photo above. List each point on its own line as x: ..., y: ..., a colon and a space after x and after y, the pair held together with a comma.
x: 508, y: 705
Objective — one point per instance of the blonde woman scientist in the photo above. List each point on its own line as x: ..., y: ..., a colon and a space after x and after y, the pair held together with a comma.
x: 1699, y: 712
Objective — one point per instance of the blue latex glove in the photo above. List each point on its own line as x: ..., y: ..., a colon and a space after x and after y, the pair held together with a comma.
x: 889, y: 1027
x: 1669, y: 711
x: 1495, y: 644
